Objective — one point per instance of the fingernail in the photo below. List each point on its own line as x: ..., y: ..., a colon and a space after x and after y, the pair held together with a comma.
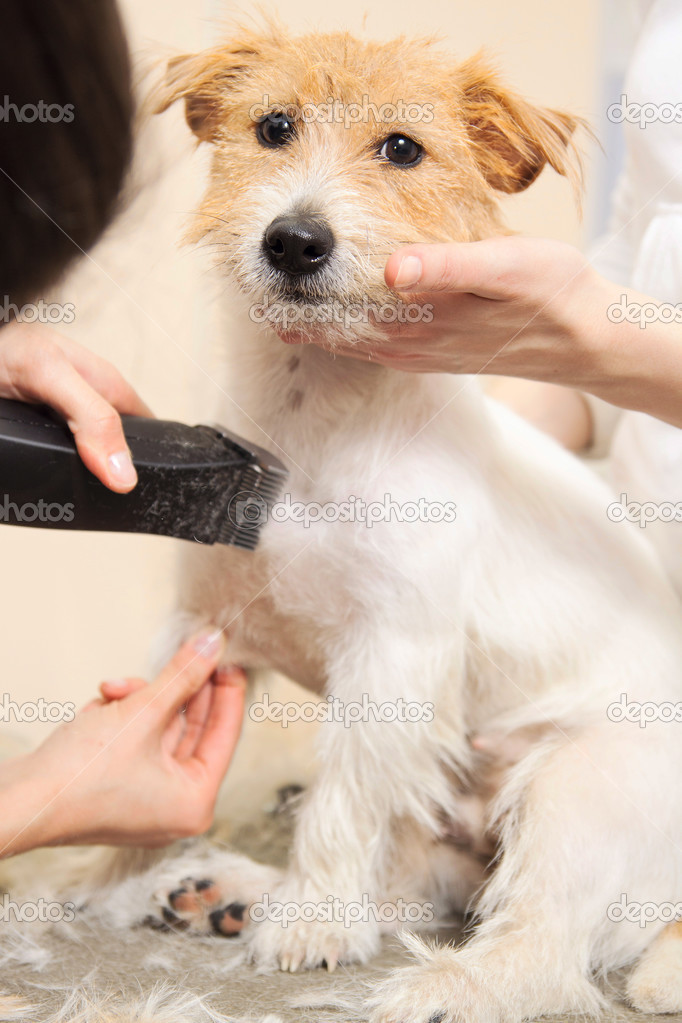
x: 409, y: 272
x: 232, y: 675
x: 210, y: 644
x: 122, y: 468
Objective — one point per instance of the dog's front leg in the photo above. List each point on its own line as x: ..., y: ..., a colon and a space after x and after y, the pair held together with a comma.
x: 378, y: 759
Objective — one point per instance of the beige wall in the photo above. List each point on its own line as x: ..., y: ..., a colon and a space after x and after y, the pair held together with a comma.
x: 76, y: 608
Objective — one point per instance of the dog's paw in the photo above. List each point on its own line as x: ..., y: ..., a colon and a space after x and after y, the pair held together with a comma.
x: 200, y: 907
x: 286, y: 936
x: 438, y: 988
x: 414, y: 995
x: 213, y: 896
x: 490, y: 985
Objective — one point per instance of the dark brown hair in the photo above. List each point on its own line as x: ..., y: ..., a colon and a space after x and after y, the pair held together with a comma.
x: 65, y: 134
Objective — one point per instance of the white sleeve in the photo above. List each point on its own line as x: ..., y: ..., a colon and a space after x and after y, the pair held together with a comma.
x: 613, y: 254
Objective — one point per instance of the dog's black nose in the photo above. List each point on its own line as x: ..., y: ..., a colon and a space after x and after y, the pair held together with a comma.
x: 298, y: 245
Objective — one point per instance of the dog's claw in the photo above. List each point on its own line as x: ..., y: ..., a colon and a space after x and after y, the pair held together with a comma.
x: 295, y: 963
x: 332, y: 962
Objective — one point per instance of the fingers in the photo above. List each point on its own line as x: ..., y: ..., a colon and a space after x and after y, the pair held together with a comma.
x: 119, y: 688
x: 223, y: 724
x: 97, y: 430
x: 185, y: 674
x: 193, y: 721
x: 95, y: 424
x: 476, y: 267
x: 104, y: 378
x: 92, y: 704
x: 85, y: 390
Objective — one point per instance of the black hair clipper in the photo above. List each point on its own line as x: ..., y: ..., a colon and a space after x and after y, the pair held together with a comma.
x: 198, y: 483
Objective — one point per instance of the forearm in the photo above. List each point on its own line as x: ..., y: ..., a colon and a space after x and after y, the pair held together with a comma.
x: 27, y: 818
x: 558, y: 411
x: 641, y: 368
x: 583, y: 341
x: 535, y: 309
x: 583, y: 347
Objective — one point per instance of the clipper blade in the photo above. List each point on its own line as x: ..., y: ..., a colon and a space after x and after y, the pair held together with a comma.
x: 250, y: 507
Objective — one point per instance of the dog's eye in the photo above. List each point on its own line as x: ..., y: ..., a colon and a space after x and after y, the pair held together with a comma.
x: 275, y: 129
x: 402, y: 150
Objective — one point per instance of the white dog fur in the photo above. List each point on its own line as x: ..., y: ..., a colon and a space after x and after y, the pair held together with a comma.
x: 529, y: 615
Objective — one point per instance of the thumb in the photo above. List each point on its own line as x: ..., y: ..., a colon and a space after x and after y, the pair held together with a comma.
x: 118, y: 688
x: 475, y: 267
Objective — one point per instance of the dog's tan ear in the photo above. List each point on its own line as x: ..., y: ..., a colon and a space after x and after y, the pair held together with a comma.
x: 204, y: 81
x: 512, y: 139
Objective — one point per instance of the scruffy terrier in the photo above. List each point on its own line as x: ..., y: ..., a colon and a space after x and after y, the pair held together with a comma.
x: 526, y: 616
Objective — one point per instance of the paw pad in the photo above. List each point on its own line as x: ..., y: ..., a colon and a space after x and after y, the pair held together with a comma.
x: 229, y: 921
x: 199, y: 906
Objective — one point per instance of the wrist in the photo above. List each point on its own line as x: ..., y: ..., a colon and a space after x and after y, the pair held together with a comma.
x: 639, y: 363
x: 584, y: 356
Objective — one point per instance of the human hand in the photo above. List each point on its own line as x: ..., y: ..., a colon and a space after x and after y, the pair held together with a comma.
x: 535, y: 309
x: 39, y: 365
x: 131, y: 769
x: 511, y: 306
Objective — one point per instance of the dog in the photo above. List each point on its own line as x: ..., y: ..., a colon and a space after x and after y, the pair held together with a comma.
x: 526, y: 617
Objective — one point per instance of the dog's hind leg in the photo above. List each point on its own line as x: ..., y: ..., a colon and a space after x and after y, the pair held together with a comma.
x: 584, y: 822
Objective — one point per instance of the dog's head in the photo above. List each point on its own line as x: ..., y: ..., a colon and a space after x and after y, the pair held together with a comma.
x: 329, y: 153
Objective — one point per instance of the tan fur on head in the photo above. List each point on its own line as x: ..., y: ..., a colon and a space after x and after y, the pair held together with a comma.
x: 478, y: 141
x: 514, y: 140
